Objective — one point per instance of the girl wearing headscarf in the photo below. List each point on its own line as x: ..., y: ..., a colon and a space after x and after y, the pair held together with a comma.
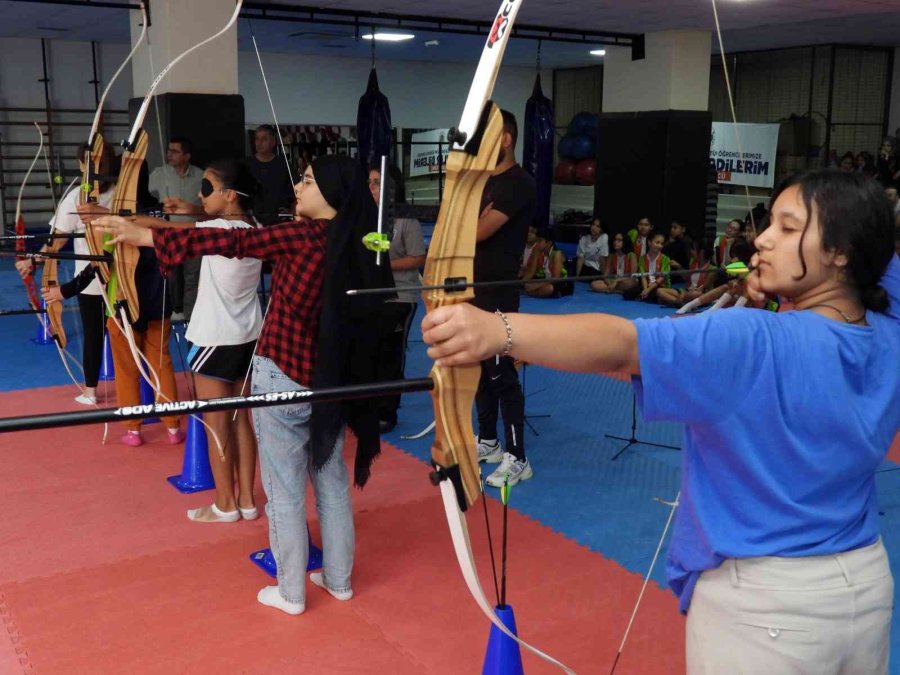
x: 313, y: 336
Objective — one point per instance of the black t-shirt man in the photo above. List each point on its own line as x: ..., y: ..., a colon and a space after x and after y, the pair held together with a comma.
x: 272, y: 173
x: 499, y: 257
x: 276, y: 191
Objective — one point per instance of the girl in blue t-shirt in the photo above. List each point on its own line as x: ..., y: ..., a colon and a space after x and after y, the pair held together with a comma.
x: 776, y: 555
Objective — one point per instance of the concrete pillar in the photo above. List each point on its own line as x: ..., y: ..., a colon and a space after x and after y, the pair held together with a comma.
x: 176, y: 25
x: 674, y: 75
x: 198, y: 98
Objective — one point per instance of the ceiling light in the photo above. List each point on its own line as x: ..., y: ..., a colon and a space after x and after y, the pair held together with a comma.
x: 598, y: 52
x: 388, y: 37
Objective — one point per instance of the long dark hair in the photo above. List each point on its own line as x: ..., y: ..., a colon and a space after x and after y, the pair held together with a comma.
x: 855, y: 219
x: 235, y: 175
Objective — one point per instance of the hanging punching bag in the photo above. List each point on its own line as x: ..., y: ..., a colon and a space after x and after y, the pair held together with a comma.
x: 373, y: 124
x: 538, y: 149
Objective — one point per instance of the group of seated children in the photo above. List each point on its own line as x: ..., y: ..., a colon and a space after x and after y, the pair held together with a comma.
x: 644, y: 251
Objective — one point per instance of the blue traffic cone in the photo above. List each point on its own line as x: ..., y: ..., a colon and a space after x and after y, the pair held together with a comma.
x: 266, y: 561
x: 107, y: 370
x: 43, y: 335
x: 148, y: 397
x: 196, y: 474
x: 503, y: 656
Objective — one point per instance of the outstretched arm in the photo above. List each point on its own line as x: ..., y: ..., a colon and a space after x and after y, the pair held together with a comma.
x: 590, y: 343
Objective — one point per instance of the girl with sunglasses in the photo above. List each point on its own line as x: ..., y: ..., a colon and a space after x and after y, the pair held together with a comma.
x: 222, y: 332
x: 314, y: 336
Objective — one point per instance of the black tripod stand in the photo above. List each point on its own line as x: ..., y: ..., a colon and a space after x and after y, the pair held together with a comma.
x: 525, y: 397
x: 634, y: 440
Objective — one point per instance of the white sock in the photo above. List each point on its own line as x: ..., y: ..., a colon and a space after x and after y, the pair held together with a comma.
x: 721, y: 302
x: 270, y: 597
x: 213, y: 514
x: 741, y: 301
x: 319, y: 580
x: 689, y: 306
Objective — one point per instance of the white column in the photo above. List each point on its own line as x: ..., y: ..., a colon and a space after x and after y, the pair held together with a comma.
x: 674, y: 75
x: 176, y: 25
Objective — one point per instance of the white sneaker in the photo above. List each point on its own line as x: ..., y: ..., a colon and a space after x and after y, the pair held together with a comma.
x: 489, y: 451
x: 511, y: 470
x: 86, y: 400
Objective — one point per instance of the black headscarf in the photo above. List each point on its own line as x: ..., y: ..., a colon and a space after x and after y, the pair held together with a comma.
x: 348, y: 326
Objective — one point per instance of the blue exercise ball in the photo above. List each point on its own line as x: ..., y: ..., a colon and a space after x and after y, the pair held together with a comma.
x: 583, y: 123
x: 566, y: 146
x: 583, y: 147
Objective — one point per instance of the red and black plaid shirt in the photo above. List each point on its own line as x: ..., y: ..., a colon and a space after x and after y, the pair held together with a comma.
x: 297, y: 251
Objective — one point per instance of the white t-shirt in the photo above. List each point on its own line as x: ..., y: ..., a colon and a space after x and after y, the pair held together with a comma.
x: 227, y: 310
x: 66, y: 220
x: 592, y: 251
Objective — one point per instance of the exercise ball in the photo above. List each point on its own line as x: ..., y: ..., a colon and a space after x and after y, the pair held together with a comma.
x: 565, y: 172
x: 583, y: 147
x: 585, y: 172
x: 566, y: 145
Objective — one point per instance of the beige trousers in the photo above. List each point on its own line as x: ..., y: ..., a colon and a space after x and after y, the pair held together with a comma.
x: 821, y: 615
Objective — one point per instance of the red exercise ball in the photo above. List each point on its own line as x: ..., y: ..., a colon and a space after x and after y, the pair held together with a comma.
x: 585, y: 172
x: 565, y: 172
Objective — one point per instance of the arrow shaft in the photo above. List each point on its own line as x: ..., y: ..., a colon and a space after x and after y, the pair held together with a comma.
x: 137, y: 412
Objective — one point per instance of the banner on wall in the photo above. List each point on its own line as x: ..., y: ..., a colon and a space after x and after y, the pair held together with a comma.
x: 754, y: 163
x: 423, y: 155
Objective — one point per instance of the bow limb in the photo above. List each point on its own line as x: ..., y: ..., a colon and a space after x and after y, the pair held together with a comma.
x: 34, y: 298
x: 90, y: 184
x: 125, y: 199
x: 474, y: 148
x: 125, y: 203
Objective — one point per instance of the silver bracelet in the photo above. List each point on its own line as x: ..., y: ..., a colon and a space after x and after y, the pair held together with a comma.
x: 508, y: 348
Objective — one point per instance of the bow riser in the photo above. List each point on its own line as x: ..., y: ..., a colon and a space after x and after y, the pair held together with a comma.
x: 452, y: 255
x: 50, y: 279
x: 34, y: 298
x: 125, y: 200
x: 90, y: 194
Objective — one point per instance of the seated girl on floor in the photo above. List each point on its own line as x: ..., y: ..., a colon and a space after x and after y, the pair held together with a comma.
x: 547, y: 262
x: 622, y: 263
x: 702, y: 279
x: 726, y: 292
x: 655, y: 263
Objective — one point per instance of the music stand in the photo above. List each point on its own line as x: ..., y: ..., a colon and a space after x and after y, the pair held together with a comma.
x: 525, y: 398
x: 634, y: 440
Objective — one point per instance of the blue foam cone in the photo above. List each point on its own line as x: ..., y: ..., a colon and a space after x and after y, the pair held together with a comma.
x: 503, y: 656
x: 107, y: 370
x: 266, y: 561
x: 196, y: 474
x: 148, y: 397
x: 43, y: 335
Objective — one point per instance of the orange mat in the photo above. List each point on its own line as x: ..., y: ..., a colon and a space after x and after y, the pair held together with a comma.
x: 102, y: 572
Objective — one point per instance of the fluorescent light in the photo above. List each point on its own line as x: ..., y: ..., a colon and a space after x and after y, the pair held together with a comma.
x: 598, y: 52
x: 389, y: 37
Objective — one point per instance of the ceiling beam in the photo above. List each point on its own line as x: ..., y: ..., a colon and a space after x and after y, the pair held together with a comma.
x: 361, y: 21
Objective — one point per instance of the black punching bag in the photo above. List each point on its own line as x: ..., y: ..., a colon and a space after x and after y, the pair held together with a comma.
x: 373, y: 124
x: 538, y: 149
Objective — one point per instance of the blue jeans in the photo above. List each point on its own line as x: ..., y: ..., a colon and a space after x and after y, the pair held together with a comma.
x: 282, y: 434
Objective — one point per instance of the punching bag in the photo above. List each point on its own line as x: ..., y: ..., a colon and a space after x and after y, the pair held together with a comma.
x: 538, y: 149
x: 373, y: 124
